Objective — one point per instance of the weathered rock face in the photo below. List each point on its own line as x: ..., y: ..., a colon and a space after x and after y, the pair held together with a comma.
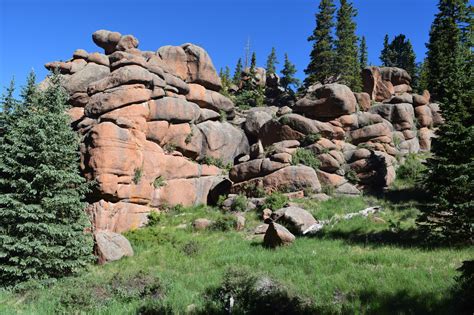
x: 149, y: 119
x: 145, y: 118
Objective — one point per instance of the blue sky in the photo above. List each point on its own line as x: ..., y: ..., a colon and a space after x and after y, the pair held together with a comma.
x: 33, y: 32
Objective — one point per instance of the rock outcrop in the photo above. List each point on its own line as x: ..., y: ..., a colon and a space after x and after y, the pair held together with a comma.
x: 147, y: 119
x: 150, y: 121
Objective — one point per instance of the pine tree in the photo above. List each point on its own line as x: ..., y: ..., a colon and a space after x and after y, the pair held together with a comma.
x: 363, y: 54
x: 450, y: 176
x: 385, y: 53
x: 402, y: 55
x: 271, y: 62
x: 43, y: 220
x: 8, y: 103
x: 288, y: 76
x: 321, y: 65
x: 29, y: 91
x: 346, y: 60
x: 253, y: 65
x: 238, y: 72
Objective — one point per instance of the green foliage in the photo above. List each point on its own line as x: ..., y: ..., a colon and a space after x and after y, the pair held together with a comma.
x: 351, y: 176
x: 288, y: 79
x: 310, y: 138
x: 209, y: 160
x: 223, y: 116
x: 399, y: 53
x: 347, y: 65
x: 169, y: 147
x: 224, y: 223
x: 154, y: 218
x: 412, y: 169
x: 137, y: 175
x: 159, y: 182
x: 305, y: 157
x: 271, y: 61
x: 254, y: 293
x: 320, y: 67
x: 450, y: 178
x: 239, y: 204
x: 41, y: 192
x: 466, y: 285
x: 189, y: 137
x: 250, y: 98
x: 275, y: 201
x: 363, y: 54
x: 238, y: 73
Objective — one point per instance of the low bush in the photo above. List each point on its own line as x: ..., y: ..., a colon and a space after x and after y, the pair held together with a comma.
x: 137, y: 175
x: 275, y: 201
x: 159, y: 182
x: 305, y: 157
x: 224, y: 223
x: 310, y: 139
x: 411, y: 169
x: 154, y: 217
x: 239, y: 203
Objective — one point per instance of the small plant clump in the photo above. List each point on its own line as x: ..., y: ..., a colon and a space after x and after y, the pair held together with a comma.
x: 137, y: 175
x: 351, y: 176
x: 154, y: 217
x: 209, y: 160
x: 159, y: 182
x: 275, y: 201
x: 305, y: 157
x: 412, y: 168
x: 189, y: 137
x: 310, y: 139
x: 239, y: 203
x: 224, y: 223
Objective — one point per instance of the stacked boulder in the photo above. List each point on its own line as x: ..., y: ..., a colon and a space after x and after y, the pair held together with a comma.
x: 357, y: 137
x: 147, y: 119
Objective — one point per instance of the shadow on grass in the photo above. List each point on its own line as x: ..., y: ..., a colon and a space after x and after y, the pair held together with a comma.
x: 402, y: 302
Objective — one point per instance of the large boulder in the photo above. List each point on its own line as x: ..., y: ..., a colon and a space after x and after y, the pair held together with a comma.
x: 328, y: 101
x: 200, y: 68
x: 223, y: 141
x: 277, y: 235
x: 174, y: 110
x: 297, y: 220
x: 79, y: 81
x: 107, y: 40
x: 123, y: 75
x: 373, y: 84
x: 209, y: 99
x: 110, y: 246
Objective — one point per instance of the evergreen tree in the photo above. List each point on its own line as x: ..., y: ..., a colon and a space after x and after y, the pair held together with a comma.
x: 288, y: 76
x: 41, y: 210
x: 253, y: 65
x: 29, y: 91
x: 385, y: 54
x: 238, y: 72
x: 346, y: 60
x: 271, y: 61
x: 321, y: 65
x: 226, y: 81
x: 250, y: 93
x: 8, y: 102
x: 450, y: 176
x: 363, y: 54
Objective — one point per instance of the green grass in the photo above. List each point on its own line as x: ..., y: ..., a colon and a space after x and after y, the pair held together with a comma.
x: 364, y: 266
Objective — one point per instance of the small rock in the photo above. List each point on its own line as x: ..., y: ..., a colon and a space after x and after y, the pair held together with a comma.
x: 266, y: 214
x: 320, y: 197
x: 261, y: 229
x: 240, y: 221
x: 201, y: 224
x: 297, y: 219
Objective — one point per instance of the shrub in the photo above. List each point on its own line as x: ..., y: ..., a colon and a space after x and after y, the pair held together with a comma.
x: 305, y: 157
x: 209, y: 160
x: 223, y: 116
x: 328, y: 190
x: 412, y: 168
x: 351, y: 176
x: 159, y: 182
x: 224, y: 223
x: 169, y: 147
x: 239, y: 203
x: 154, y: 217
x: 137, y: 175
x: 310, y: 139
x: 191, y: 248
x: 189, y: 137
x: 275, y: 201
x: 256, y: 294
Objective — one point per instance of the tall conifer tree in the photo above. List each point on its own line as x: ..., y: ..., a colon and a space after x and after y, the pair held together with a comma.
x: 41, y: 210
x: 450, y: 176
x: 363, y: 54
x: 321, y: 65
x: 238, y: 72
x: 271, y: 62
x: 346, y: 60
x: 385, y: 54
x: 288, y: 75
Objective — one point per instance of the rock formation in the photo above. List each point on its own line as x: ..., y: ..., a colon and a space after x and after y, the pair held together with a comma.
x: 148, y: 120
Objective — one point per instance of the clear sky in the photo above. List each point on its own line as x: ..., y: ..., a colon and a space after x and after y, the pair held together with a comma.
x: 33, y: 32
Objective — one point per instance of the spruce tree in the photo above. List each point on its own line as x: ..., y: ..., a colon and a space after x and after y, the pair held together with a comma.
x: 8, y: 103
x: 288, y: 75
x: 321, y: 65
x: 29, y: 91
x: 363, y: 54
x: 385, y: 53
x: 41, y: 210
x: 450, y: 176
x: 271, y: 62
x: 402, y: 54
x: 346, y: 59
x: 238, y: 72
x: 253, y: 65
